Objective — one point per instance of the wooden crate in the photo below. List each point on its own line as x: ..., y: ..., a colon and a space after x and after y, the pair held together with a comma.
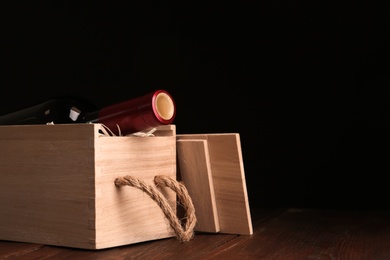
x: 57, y: 185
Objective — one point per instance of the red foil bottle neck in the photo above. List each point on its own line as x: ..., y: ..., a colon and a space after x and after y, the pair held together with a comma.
x: 138, y: 114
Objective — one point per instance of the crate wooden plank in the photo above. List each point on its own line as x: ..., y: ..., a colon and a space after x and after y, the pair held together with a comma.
x: 227, y: 171
x: 194, y: 161
x: 127, y: 215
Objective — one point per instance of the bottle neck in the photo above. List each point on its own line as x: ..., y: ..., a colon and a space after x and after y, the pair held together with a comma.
x: 138, y: 114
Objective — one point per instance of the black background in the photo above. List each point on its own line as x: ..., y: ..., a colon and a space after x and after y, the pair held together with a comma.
x: 304, y: 84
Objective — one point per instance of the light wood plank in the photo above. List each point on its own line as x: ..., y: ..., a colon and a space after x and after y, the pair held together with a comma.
x: 194, y: 170
x: 227, y: 169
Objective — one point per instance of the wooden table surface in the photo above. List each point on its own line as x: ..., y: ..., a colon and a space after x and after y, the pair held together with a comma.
x: 278, y: 234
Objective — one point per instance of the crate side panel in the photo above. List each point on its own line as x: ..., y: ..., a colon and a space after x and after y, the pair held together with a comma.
x: 227, y: 170
x: 127, y: 215
x: 47, y: 183
x: 195, y: 171
x: 229, y: 183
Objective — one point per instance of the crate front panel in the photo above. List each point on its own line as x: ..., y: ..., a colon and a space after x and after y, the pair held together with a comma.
x: 127, y: 215
x: 47, y: 184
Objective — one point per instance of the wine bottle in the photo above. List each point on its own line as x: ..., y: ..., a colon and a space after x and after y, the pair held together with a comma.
x: 123, y: 118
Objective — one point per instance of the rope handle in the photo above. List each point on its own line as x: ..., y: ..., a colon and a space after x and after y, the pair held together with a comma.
x: 183, y: 234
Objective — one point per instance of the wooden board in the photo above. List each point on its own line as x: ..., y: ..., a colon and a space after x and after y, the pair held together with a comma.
x: 194, y: 162
x: 228, y: 179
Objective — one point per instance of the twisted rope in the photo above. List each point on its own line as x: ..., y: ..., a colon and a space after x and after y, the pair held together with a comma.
x: 182, y: 234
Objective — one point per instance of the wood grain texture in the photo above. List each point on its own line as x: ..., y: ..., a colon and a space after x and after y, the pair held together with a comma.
x: 57, y: 185
x: 194, y: 169
x: 127, y: 215
x: 227, y: 171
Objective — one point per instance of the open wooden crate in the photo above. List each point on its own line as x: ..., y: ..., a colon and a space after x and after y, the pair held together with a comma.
x: 57, y: 185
